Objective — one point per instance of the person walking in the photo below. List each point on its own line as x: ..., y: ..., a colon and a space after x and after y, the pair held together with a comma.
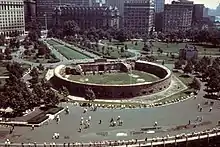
x: 210, y: 109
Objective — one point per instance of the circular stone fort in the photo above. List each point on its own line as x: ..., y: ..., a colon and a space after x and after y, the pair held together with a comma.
x: 112, y: 80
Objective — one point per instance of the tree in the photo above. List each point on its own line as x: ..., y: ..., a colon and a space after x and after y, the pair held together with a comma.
x: 121, y: 36
x: 146, y: 48
x: 188, y: 68
x: 34, y: 72
x: 195, y: 84
x: 89, y: 94
x: 33, y: 35
x: 40, y: 67
x: 2, y: 57
x: 122, y: 50
x: 70, y: 28
x: 178, y: 65
x: 15, y: 69
x: 126, y: 47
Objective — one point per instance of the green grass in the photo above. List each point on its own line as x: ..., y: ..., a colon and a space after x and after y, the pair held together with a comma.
x: 186, y: 81
x: 115, y: 78
x: 68, y: 52
x: 115, y: 53
x: 204, y: 49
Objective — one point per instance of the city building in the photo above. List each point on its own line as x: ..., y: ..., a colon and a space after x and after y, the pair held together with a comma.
x: 197, y: 14
x: 45, y: 9
x: 11, y: 17
x: 159, y: 9
x: 87, y: 17
x: 29, y: 12
x: 120, y: 5
x: 188, y: 53
x: 97, y: 3
x: 117, y: 3
x: 139, y: 16
x: 159, y: 6
x: 178, y: 16
x: 206, y: 12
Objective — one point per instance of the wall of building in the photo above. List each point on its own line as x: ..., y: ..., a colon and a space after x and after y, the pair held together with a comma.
x: 45, y: 9
x: 87, y: 17
x: 11, y: 17
x: 118, y: 91
x: 139, y: 16
x: 178, y: 16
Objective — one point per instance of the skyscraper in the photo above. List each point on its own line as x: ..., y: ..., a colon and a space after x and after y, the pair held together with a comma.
x: 139, y: 16
x: 12, y: 17
x: 178, y: 16
x: 29, y: 11
x: 159, y: 6
x: 45, y: 9
x: 159, y: 9
x: 197, y: 14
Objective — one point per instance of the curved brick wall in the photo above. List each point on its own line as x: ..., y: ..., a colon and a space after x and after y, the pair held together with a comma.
x: 118, y: 91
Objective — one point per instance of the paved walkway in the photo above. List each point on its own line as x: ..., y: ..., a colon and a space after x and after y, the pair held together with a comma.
x: 134, y: 119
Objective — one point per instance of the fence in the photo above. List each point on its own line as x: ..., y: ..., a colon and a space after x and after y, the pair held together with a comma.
x: 163, y: 141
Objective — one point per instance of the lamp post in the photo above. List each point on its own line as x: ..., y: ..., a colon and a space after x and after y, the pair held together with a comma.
x: 45, y: 19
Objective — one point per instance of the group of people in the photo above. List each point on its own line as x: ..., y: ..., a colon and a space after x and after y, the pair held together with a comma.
x: 113, y: 122
x: 201, y: 109
x: 86, y: 123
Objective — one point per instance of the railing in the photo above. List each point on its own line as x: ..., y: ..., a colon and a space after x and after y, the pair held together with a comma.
x: 131, y: 143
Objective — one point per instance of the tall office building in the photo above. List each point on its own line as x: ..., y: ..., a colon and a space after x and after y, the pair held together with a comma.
x: 178, y: 16
x: 159, y: 9
x: 139, y: 16
x: 45, y: 9
x: 206, y: 12
x: 159, y: 6
x: 11, y: 17
x: 197, y: 19
x: 29, y: 12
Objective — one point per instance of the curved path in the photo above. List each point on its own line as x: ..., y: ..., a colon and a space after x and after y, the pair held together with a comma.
x: 134, y: 119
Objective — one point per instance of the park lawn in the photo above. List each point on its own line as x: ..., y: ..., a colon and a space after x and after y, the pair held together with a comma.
x: 115, y: 78
x: 68, y: 52
x: 204, y: 49
x: 186, y: 81
x: 115, y: 53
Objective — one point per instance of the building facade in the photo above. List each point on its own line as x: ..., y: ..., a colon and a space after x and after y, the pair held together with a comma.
x: 45, y: 9
x: 159, y: 6
x: 188, y: 53
x: 206, y: 12
x: 97, y: 3
x: 178, y: 16
x: 197, y: 19
x: 87, y: 17
x: 11, y: 17
x: 139, y: 16
x: 29, y: 11
x: 159, y: 9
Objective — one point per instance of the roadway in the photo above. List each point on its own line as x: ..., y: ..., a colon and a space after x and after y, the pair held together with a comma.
x: 134, y: 119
